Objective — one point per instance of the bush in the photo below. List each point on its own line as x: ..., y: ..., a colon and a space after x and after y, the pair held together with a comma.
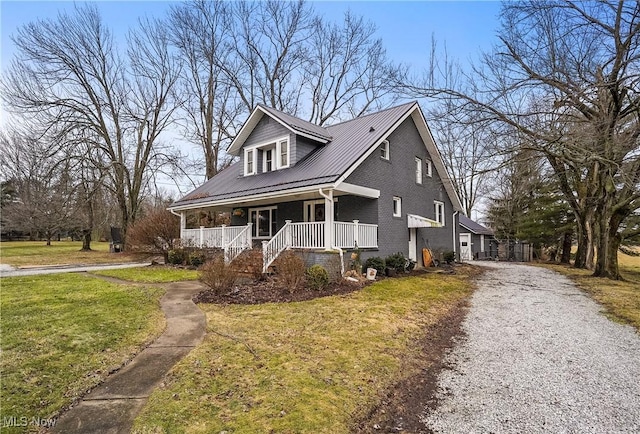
x: 176, y: 256
x: 397, y: 261
x: 290, y: 268
x: 317, y: 277
x: 156, y: 232
x: 375, y: 262
x: 218, y: 275
x: 197, y: 258
x: 449, y: 257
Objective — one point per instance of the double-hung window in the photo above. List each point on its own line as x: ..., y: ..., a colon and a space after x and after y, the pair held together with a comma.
x: 283, y: 153
x: 250, y: 161
x: 418, y: 170
x: 384, y: 150
x: 429, y: 169
x: 267, y: 160
x: 438, y: 209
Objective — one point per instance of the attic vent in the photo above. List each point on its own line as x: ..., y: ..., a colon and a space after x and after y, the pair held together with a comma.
x: 371, y: 130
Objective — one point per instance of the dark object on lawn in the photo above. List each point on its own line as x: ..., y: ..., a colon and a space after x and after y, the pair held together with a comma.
x: 116, y: 240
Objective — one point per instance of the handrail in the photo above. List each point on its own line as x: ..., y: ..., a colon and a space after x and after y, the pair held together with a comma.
x: 239, y: 244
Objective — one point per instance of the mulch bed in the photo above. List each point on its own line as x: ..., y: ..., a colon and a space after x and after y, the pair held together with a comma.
x: 270, y: 290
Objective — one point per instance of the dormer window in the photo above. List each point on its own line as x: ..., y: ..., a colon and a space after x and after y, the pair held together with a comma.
x: 250, y: 161
x: 273, y: 155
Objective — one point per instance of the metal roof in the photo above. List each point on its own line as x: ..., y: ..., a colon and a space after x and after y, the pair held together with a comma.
x: 474, y: 227
x: 350, y: 143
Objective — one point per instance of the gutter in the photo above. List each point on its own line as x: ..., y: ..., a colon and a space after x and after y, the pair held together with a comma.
x: 455, y: 242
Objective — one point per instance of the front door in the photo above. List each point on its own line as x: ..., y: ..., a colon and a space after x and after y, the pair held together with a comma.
x: 465, y: 247
x: 314, y: 211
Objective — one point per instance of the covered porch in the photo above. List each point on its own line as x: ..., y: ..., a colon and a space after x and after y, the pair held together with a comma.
x: 302, y: 220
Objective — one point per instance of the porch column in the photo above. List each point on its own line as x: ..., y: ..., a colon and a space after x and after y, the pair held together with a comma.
x: 328, y: 221
x: 183, y: 223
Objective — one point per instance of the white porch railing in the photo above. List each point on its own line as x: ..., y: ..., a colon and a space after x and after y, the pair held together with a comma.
x: 239, y: 244
x: 232, y: 239
x: 311, y: 235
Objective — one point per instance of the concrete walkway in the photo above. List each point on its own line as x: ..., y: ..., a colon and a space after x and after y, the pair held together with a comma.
x: 112, y: 406
x: 9, y: 271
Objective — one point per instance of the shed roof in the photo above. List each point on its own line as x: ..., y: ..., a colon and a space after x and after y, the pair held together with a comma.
x: 474, y: 227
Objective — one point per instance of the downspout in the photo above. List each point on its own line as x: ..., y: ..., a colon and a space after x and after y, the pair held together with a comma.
x: 455, y: 242
x: 330, y: 230
x: 181, y: 215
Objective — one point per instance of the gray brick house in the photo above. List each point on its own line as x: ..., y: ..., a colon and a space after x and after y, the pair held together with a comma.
x: 376, y: 181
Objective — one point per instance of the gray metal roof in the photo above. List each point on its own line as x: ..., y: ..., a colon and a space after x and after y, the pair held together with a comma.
x: 297, y: 124
x: 474, y: 227
x: 326, y: 164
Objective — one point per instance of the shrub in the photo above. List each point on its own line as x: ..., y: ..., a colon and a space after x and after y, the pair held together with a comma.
x: 176, y: 256
x: 197, y: 258
x: 397, y: 261
x: 375, y: 262
x: 290, y: 268
x: 156, y: 232
x: 218, y: 275
x: 449, y: 257
x: 317, y: 277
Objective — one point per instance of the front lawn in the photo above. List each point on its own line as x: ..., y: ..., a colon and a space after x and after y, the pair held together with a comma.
x: 317, y: 366
x: 62, y: 334
x: 150, y: 274
x: 35, y: 253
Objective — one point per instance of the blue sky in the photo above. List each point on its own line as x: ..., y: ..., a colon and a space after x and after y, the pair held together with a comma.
x: 406, y: 27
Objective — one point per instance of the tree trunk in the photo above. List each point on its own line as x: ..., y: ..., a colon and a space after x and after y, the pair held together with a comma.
x: 584, y: 230
x: 565, y: 258
x: 86, y: 240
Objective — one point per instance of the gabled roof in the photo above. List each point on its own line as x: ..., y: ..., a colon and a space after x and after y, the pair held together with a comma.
x: 474, y: 227
x: 348, y: 144
x: 292, y: 123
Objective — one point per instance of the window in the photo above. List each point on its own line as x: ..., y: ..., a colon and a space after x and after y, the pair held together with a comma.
x: 384, y: 149
x: 418, y: 170
x: 264, y: 221
x: 397, y: 206
x: 283, y: 151
x: 439, y: 211
x: 267, y: 160
x: 250, y: 161
x: 429, y: 169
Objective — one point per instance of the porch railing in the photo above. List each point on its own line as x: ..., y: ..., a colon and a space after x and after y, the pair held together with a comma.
x: 239, y: 244
x: 211, y: 237
x: 311, y: 235
x: 232, y: 239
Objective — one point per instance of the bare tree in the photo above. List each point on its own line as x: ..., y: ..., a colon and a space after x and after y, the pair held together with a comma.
x: 565, y: 82
x: 201, y: 30
x: 347, y: 72
x: 69, y: 75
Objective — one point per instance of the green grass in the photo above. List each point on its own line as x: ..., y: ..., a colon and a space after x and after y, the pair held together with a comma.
x: 34, y: 253
x: 621, y: 299
x: 151, y: 274
x: 62, y: 334
x: 314, y: 367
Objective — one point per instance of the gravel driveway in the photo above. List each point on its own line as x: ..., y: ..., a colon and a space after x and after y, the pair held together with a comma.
x: 538, y: 356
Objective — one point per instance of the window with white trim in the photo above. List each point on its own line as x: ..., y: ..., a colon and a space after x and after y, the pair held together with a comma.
x: 418, y: 170
x: 274, y: 155
x: 264, y: 221
x: 250, y: 161
x: 384, y: 150
x: 397, y: 206
x: 429, y: 169
x: 438, y: 209
x: 283, y: 152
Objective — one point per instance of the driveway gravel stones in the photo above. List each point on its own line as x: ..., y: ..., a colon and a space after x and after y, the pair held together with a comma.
x: 538, y: 356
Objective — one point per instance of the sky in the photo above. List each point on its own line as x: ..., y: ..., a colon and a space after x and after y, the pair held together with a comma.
x: 405, y: 27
